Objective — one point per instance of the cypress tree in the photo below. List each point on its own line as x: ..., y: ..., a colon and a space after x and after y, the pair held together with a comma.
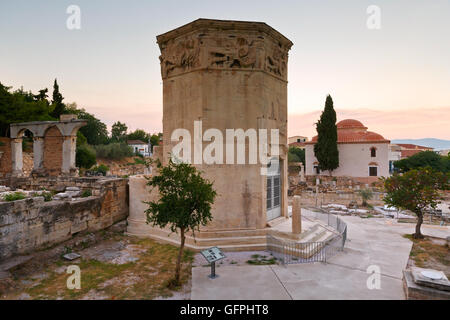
x: 326, y: 149
x: 57, y: 101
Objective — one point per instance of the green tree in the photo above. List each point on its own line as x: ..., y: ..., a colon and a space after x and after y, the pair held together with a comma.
x: 42, y: 95
x: 184, y: 203
x: 118, y: 131
x: 155, y: 139
x: 326, y: 149
x: 20, y: 106
x: 139, y: 134
x: 95, y: 131
x: 366, y: 195
x: 296, y: 155
x: 85, y: 156
x: 416, y: 190
x: 424, y: 159
x: 57, y: 101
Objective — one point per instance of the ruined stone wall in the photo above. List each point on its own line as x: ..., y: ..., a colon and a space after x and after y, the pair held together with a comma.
x: 309, y: 198
x: 53, y: 151
x: 29, y: 224
x: 5, y: 157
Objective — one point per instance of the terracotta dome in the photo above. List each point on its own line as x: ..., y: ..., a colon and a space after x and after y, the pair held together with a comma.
x: 349, y: 124
x: 347, y: 134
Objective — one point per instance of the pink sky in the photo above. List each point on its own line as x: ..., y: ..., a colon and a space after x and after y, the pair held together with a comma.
x: 392, y: 124
x: 396, y: 79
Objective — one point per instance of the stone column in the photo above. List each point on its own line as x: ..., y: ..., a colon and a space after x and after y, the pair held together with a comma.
x: 16, y: 156
x: 296, y: 215
x: 38, y: 153
x: 68, y: 154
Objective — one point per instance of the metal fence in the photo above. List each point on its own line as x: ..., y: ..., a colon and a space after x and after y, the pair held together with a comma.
x: 288, y: 252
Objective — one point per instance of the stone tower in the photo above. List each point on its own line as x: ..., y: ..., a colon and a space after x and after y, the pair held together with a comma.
x: 229, y: 75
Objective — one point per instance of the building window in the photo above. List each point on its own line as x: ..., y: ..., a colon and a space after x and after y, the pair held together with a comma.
x: 373, y: 152
x: 316, y: 169
x: 373, y: 171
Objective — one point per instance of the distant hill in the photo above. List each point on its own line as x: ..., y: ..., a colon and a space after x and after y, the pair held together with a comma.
x: 437, y: 144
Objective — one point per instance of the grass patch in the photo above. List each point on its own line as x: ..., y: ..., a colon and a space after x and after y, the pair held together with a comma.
x: 14, y: 196
x: 147, y: 278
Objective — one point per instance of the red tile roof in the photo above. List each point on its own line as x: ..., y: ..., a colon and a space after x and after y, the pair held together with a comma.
x: 409, y: 153
x: 413, y: 146
x: 353, y: 131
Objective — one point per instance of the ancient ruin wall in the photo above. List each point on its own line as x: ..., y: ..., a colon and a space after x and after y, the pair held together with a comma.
x: 29, y: 224
x: 5, y: 157
x: 53, y: 151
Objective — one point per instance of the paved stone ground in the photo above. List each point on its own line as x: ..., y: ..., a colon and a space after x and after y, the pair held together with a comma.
x: 372, y: 241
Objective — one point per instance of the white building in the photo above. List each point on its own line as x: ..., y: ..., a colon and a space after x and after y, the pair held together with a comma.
x: 299, y: 139
x: 395, y: 154
x: 140, y: 147
x: 363, y: 155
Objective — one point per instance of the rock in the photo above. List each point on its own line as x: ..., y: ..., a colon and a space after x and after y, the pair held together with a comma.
x: 62, y: 195
x: 72, y: 189
x: 71, y: 256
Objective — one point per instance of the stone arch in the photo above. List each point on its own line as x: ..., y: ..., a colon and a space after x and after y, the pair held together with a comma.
x: 53, y: 150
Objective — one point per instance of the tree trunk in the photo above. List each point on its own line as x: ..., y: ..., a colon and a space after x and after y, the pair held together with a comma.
x: 180, y: 255
x: 418, y: 234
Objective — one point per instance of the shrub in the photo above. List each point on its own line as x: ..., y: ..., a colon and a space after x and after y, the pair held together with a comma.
x: 14, y: 196
x: 86, y: 193
x: 85, y: 157
x: 366, y: 194
x: 48, y: 196
x: 114, y: 151
x: 103, y: 169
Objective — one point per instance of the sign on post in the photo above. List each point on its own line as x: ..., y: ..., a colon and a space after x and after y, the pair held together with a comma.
x: 212, y: 255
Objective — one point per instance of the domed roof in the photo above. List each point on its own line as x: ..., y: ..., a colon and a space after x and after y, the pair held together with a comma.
x: 350, y: 123
x: 354, y: 136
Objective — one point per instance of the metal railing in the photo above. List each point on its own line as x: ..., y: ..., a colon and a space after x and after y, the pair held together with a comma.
x: 289, y: 252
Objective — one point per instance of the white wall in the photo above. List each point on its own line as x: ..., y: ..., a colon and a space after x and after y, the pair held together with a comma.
x: 139, y: 147
x: 354, y: 159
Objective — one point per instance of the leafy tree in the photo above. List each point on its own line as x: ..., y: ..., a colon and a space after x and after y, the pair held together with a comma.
x: 366, y: 195
x: 57, y: 101
x: 296, y: 155
x: 416, y: 190
x: 20, y: 106
x: 85, y: 156
x: 424, y: 159
x: 42, y: 95
x: 184, y: 203
x: 155, y: 139
x: 139, y: 134
x: 114, y: 151
x: 81, y: 139
x: 326, y: 149
x: 118, y: 131
x: 95, y: 131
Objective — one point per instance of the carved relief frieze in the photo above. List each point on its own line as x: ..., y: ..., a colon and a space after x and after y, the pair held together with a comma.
x: 212, y: 50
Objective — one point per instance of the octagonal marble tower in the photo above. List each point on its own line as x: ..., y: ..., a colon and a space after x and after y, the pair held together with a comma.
x: 228, y: 75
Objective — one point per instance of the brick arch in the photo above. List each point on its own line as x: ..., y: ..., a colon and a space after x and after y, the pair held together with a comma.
x: 53, y: 150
